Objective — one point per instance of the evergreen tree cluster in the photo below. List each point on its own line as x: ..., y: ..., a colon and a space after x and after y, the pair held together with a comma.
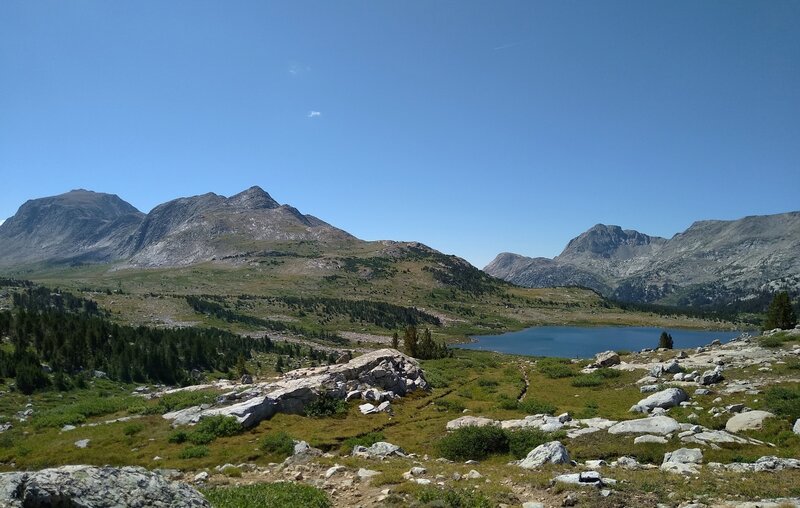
x: 422, y: 346
x: 67, y: 334
x: 780, y: 313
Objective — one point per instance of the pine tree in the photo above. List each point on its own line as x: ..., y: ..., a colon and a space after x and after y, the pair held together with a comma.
x: 410, y: 341
x: 665, y: 341
x: 395, y: 341
x: 780, y: 313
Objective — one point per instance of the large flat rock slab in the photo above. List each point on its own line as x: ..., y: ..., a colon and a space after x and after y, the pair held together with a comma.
x: 657, y: 425
x: 90, y: 487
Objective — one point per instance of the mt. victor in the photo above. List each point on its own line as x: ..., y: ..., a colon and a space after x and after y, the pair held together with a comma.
x: 81, y: 226
x: 712, y: 261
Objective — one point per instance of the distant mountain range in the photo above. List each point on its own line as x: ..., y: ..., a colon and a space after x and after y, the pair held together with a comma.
x: 89, y: 227
x: 712, y: 261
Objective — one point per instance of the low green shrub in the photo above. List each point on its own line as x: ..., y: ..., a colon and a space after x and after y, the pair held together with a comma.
x: 178, y: 437
x: 784, y: 401
x: 590, y: 410
x: 278, y: 444
x: 453, y: 498
x: 771, y: 341
x: 449, y: 405
x: 555, y: 368
x: 193, y: 452
x: 506, y: 402
x: 587, y: 380
x: 209, y: 429
x: 232, y: 472
x: 533, y: 407
x: 260, y: 495
x: 325, y: 405
x: 132, y: 429
x: 473, y: 443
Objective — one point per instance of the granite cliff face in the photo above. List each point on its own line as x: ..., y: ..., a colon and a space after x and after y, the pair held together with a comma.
x: 88, y: 227
x: 710, y: 261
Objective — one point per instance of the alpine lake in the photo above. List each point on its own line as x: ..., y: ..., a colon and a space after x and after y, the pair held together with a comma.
x: 585, y: 342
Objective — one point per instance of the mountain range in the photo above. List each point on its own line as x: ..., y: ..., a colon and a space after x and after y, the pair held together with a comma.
x: 712, y: 261
x: 82, y: 226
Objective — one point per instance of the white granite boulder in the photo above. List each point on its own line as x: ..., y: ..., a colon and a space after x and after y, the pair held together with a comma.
x: 549, y: 453
x: 659, y: 425
x: 664, y: 399
x: 470, y: 421
x: 750, y: 420
x: 606, y: 359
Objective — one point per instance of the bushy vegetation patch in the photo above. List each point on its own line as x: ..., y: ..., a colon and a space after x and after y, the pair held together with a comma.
x: 555, y: 368
x: 784, y: 402
x: 596, y: 378
x: 277, y: 444
x: 207, y: 430
x: 532, y: 406
x: 325, y: 405
x: 453, y: 498
x: 449, y: 405
x: 473, y: 443
x: 193, y: 452
x: 132, y: 429
x: 261, y: 495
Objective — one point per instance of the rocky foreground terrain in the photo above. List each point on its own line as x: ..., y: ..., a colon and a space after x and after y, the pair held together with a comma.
x: 676, y: 428
x: 712, y: 261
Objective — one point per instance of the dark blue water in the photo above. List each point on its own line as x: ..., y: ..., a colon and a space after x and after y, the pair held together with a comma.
x: 580, y: 342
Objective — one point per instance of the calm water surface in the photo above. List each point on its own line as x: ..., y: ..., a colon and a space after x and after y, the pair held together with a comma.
x: 584, y: 342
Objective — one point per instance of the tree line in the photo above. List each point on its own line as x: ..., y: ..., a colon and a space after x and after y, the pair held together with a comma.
x: 71, y: 339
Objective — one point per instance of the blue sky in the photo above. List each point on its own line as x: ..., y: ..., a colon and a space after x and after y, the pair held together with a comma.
x: 474, y: 127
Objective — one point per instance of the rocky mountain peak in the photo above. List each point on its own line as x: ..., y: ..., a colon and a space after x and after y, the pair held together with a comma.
x: 76, y: 224
x: 253, y: 198
x: 603, y: 241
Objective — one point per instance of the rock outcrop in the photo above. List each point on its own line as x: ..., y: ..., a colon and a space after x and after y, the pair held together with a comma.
x: 89, y: 486
x: 385, y: 371
x: 549, y: 453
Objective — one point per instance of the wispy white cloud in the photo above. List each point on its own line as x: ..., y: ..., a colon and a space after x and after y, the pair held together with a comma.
x: 298, y: 69
x: 313, y: 114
